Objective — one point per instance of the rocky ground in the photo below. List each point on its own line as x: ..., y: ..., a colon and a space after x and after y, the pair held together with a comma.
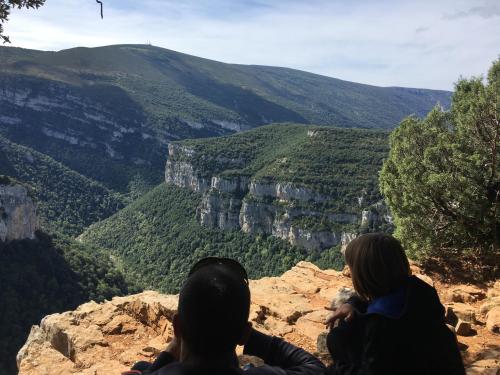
x: 109, y: 337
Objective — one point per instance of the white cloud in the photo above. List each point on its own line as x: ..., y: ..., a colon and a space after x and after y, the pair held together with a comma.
x: 387, y: 43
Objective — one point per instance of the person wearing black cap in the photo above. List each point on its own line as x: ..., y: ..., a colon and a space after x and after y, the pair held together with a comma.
x: 212, y: 319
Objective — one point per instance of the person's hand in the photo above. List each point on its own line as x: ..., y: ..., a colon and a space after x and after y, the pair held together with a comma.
x: 174, y: 348
x: 345, y: 311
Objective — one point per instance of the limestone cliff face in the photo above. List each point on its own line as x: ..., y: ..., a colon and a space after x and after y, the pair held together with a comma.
x: 268, y: 208
x: 18, y: 218
x: 108, y: 338
x: 181, y: 173
x: 73, y: 115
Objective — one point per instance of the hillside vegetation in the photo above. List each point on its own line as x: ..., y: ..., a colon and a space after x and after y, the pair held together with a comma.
x: 66, y: 201
x: 167, y: 83
x: 442, y: 177
x: 157, y: 238
x: 342, y: 163
x: 109, y: 112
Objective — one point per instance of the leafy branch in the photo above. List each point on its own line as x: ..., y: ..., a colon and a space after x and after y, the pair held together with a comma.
x: 7, y: 5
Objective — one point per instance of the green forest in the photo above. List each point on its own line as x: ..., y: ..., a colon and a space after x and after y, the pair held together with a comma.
x: 340, y: 163
x: 157, y: 239
x: 67, y: 202
x: 442, y: 178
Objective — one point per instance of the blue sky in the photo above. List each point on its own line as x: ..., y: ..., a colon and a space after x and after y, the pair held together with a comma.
x: 420, y: 43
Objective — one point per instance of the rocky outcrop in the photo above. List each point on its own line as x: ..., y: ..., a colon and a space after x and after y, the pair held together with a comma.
x: 375, y: 215
x: 237, y: 202
x: 286, y: 191
x: 18, y: 219
x: 74, y: 117
x: 181, y: 173
x: 108, y: 338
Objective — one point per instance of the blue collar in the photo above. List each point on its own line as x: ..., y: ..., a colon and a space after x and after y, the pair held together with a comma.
x: 391, y: 306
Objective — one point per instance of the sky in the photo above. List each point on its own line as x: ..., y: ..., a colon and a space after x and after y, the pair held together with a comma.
x: 409, y: 43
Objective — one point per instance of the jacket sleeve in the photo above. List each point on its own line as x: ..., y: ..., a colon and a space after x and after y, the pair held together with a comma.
x: 378, y: 350
x: 358, y: 303
x: 281, y: 357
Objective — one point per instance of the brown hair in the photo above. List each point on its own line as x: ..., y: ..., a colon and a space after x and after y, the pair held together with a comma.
x: 378, y: 264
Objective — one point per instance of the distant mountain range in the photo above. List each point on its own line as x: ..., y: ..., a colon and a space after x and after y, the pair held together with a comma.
x: 109, y: 112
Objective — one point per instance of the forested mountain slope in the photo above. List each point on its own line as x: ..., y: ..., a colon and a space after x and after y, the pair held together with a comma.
x: 42, y: 273
x: 313, y: 186
x: 109, y: 112
x: 157, y: 238
x: 268, y: 197
x: 66, y: 201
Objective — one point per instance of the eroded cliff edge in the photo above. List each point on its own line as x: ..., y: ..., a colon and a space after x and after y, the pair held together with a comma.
x: 236, y: 198
x: 108, y: 338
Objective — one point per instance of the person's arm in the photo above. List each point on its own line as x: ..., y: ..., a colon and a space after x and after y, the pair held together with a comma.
x: 378, y: 350
x: 281, y: 357
x: 359, y: 304
x: 348, y: 311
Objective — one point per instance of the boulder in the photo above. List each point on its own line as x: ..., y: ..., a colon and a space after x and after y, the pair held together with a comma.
x: 425, y: 279
x: 460, y: 311
x: 342, y: 296
x: 487, y: 362
x: 464, y: 294
x: 463, y: 328
x: 494, y: 291
x: 489, y: 304
x: 493, y: 320
x: 321, y: 343
x: 346, y: 271
x: 313, y: 324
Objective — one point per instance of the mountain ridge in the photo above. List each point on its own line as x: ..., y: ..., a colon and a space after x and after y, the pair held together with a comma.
x: 222, y: 62
x: 110, y: 112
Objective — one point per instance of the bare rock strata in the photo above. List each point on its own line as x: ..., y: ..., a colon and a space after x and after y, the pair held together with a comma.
x: 260, y: 207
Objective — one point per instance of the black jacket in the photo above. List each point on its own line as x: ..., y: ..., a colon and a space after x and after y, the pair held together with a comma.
x: 280, y: 357
x: 401, y: 334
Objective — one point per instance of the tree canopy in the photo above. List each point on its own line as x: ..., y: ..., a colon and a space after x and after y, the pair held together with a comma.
x: 7, y: 5
x: 442, y: 177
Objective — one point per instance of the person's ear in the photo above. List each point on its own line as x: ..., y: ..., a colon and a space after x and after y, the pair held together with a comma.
x: 177, y: 326
x: 245, y: 335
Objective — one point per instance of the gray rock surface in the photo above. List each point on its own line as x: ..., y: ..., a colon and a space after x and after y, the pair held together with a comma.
x: 18, y: 218
x: 263, y: 207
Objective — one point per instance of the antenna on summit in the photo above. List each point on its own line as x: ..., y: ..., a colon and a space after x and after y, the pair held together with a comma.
x: 102, y: 13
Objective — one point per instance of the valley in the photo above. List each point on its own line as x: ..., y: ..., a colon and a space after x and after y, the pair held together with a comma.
x: 137, y: 161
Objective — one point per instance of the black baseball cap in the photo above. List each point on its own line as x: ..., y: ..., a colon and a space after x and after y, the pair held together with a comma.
x: 231, y: 265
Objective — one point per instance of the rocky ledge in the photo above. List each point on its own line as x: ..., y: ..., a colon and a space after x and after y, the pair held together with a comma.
x: 109, y: 337
x: 18, y: 218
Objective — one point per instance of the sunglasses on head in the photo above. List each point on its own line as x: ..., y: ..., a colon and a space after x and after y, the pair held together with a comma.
x: 230, y: 264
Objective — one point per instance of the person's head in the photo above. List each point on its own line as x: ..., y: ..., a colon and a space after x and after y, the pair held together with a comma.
x: 378, y: 264
x: 214, y: 306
